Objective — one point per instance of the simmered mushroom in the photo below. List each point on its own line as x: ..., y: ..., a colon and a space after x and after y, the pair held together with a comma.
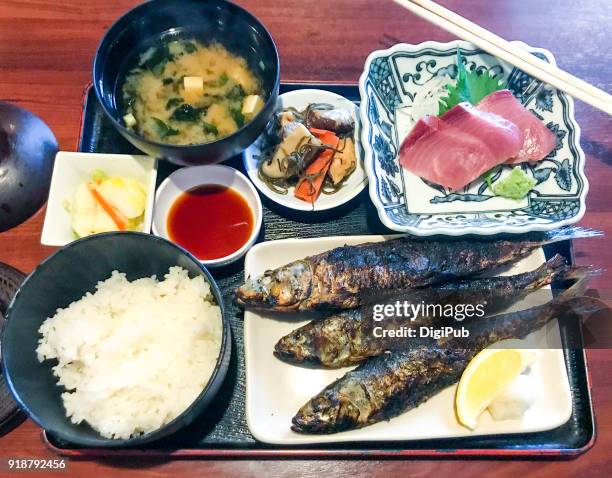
x: 337, y: 120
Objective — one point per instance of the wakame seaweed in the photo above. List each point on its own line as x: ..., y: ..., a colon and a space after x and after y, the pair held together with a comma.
x: 210, y: 128
x: 236, y: 93
x: 223, y: 79
x: 157, y: 61
x: 172, y: 102
x: 186, y: 112
x: 163, y: 129
x: 190, y: 47
x: 155, y: 87
x: 238, y: 116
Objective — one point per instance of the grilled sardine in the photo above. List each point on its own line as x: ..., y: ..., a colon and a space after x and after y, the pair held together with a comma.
x: 346, y: 338
x: 337, y: 279
x: 385, y: 386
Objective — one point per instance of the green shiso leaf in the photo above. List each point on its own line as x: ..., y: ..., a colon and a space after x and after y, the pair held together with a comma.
x: 470, y: 86
x: 514, y: 186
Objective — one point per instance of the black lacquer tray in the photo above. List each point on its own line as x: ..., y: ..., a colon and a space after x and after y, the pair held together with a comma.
x: 223, y: 430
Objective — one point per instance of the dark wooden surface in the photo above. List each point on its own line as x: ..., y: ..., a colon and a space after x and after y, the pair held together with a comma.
x: 46, y: 51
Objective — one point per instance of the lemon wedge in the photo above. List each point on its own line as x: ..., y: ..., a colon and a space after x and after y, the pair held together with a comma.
x: 488, y: 374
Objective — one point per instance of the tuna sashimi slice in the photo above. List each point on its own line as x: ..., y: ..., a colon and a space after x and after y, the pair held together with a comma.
x: 539, y: 140
x: 426, y: 125
x: 459, y: 147
x: 503, y: 137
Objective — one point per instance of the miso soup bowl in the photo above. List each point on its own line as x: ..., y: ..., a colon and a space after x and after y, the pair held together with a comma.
x: 209, y: 21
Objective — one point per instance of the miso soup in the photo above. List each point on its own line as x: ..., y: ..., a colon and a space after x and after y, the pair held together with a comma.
x: 184, y: 92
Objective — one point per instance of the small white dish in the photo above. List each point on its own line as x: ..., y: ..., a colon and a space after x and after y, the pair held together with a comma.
x: 73, y: 169
x: 275, y: 390
x: 356, y: 182
x: 185, y: 179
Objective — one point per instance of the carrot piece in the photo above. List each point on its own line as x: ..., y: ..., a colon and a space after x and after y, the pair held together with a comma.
x: 319, y: 133
x: 308, y: 189
x: 329, y: 139
x: 118, y: 218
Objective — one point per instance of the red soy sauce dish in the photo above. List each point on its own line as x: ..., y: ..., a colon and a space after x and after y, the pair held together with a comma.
x: 212, y: 211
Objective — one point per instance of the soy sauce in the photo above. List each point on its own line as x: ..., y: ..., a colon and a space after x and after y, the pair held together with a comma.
x: 210, y: 221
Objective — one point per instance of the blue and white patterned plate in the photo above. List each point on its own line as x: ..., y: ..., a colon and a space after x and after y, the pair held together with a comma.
x: 401, y: 84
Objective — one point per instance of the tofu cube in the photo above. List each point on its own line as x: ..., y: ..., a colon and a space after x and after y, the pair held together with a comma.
x: 194, y: 87
x: 251, y: 105
x: 129, y: 119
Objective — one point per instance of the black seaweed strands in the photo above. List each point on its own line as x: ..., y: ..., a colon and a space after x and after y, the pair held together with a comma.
x: 295, y: 164
x: 328, y: 185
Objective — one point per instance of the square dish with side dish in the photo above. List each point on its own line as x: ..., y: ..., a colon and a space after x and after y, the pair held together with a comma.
x: 122, y: 200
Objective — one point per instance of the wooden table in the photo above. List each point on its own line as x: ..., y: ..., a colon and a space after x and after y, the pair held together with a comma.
x: 46, y: 52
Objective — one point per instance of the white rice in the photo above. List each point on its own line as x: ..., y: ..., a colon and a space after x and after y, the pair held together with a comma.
x: 134, y: 355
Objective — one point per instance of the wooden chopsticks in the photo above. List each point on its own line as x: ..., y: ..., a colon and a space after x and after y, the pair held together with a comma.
x: 508, y: 52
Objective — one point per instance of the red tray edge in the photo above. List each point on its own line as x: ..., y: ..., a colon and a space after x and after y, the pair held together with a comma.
x: 300, y: 453
x: 312, y: 453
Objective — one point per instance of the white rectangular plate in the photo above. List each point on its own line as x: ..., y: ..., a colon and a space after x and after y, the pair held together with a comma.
x: 275, y: 390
